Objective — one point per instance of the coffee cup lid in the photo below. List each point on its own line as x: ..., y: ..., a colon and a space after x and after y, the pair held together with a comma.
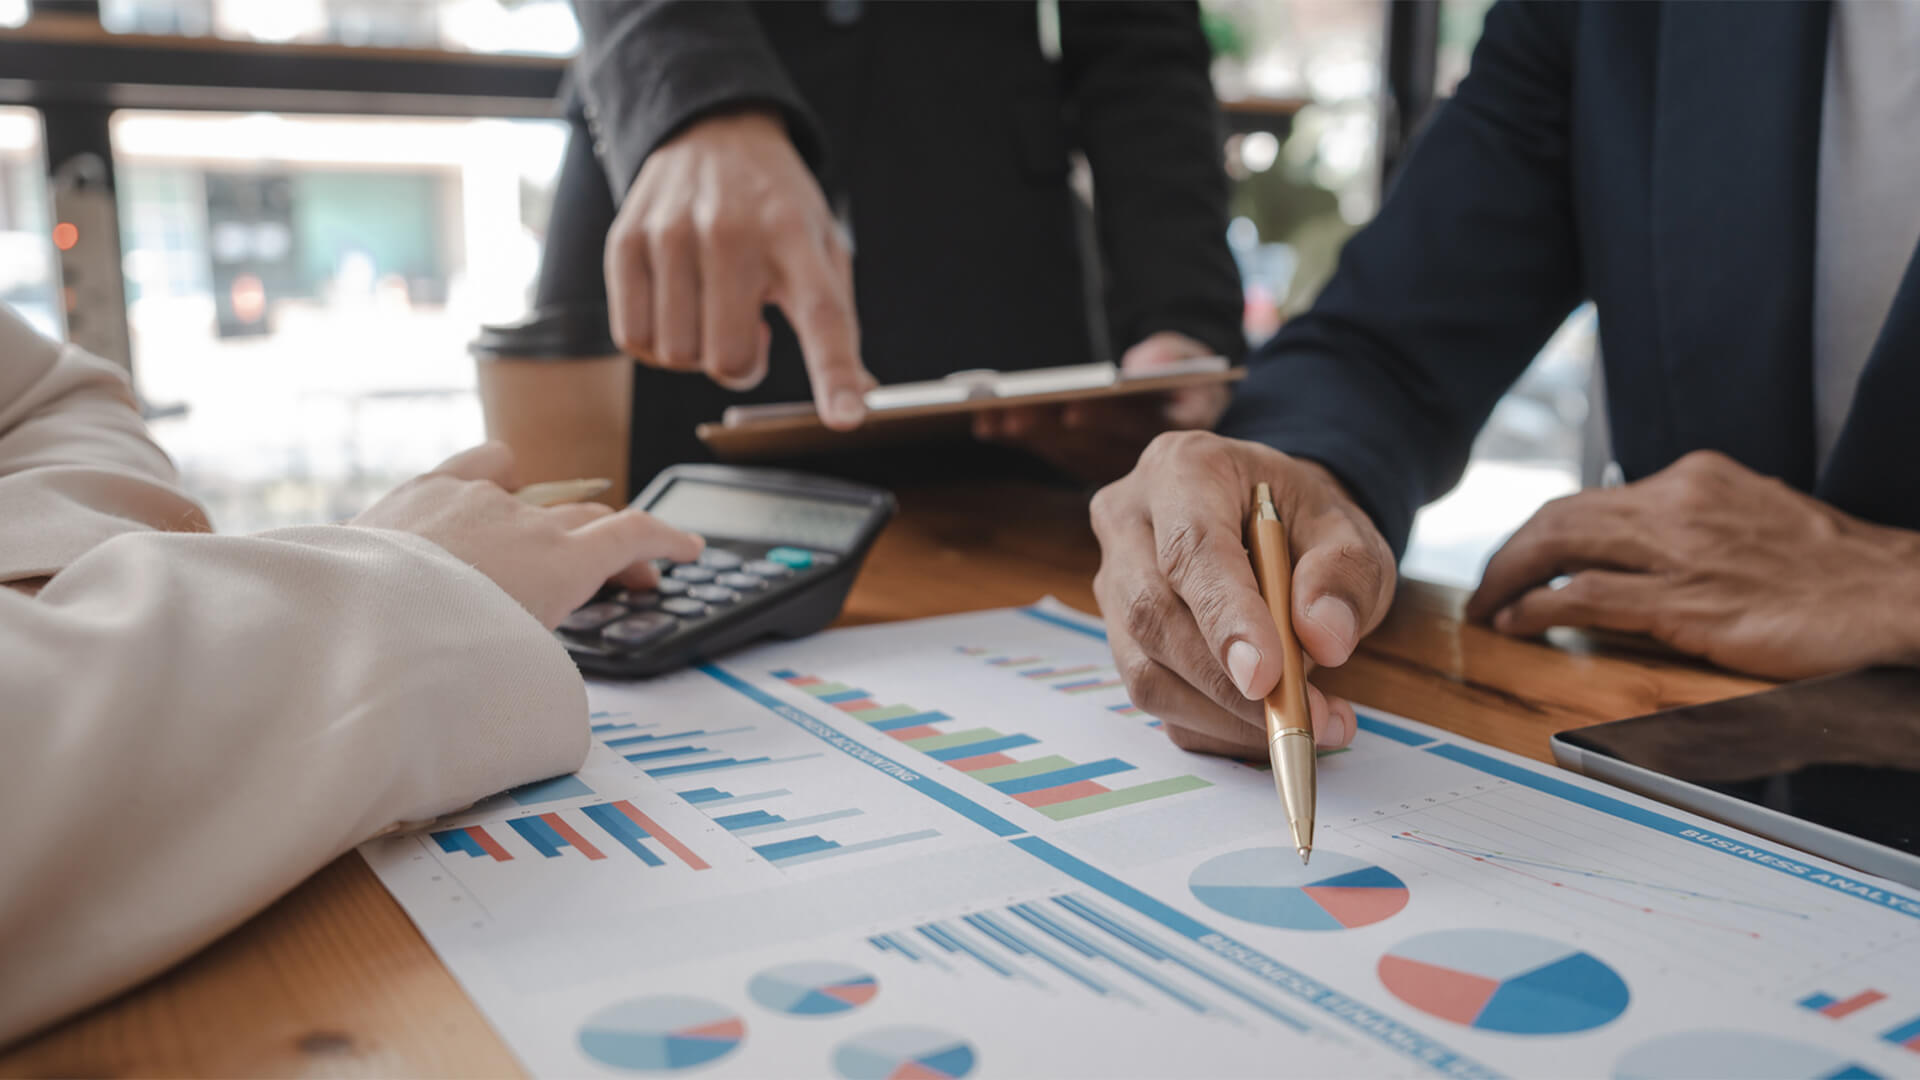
x: 553, y: 332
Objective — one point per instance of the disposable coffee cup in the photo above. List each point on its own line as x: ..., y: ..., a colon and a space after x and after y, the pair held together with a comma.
x: 555, y: 389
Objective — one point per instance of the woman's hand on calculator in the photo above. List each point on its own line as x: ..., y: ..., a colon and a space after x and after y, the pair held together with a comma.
x: 550, y: 559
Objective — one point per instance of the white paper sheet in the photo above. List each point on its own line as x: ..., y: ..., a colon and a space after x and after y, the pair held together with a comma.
x: 952, y: 848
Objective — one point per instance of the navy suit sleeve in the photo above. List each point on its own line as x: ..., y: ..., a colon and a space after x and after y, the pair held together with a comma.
x: 1136, y: 75
x: 1438, y: 304
x: 649, y: 69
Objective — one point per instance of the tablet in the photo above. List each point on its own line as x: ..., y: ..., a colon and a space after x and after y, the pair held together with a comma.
x: 942, y: 408
x: 1830, y: 766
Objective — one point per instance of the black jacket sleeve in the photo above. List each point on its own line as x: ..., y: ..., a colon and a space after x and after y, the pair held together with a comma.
x: 1137, y: 82
x: 1438, y: 304
x: 650, y: 68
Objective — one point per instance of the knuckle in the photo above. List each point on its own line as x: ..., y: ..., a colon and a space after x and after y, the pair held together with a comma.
x: 725, y: 230
x: 628, y: 244
x: 1702, y: 461
x: 627, y: 340
x: 1145, y: 616
x: 1174, y: 445
x: 1103, y: 508
x: 1177, y: 548
x: 676, y: 233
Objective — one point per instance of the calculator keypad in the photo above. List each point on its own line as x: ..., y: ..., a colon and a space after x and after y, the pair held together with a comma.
x: 724, y: 579
x: 720, y: 559
x: 685, y: 607
x: 637, y: 630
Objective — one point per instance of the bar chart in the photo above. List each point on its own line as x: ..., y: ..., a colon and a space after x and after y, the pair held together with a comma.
x: 1077, y: 678
x: 677, y: 751
x: 1076, y: 944
x: 1055, y: 785
x: 474, y: 841
x: 1906, y: 1036
x: 549, y: 834
x: 554, y: 790
x: 1840, y: 1008
x: 748, y: 818
x: 607, y: 827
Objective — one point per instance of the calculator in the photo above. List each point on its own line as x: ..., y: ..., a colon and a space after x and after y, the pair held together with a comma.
x: 782, y: 550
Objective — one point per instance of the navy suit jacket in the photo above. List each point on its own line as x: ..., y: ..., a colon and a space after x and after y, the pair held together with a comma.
x: 1660, y: 159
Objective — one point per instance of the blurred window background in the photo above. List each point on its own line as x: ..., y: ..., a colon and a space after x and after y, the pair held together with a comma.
x: 27, y: 275
x: 301, y: 287
x: 305, y: 286
x: 538, y: 27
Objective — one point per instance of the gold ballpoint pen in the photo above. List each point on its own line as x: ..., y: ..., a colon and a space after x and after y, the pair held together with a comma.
x: 1289, y: 724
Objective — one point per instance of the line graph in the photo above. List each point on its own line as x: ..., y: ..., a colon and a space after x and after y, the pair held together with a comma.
x: 1549, y: 872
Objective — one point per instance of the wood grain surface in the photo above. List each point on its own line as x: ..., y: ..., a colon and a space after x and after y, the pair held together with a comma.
x: 334, y: 981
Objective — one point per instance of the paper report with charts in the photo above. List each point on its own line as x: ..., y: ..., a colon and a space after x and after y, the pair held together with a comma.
x: 953, y: 848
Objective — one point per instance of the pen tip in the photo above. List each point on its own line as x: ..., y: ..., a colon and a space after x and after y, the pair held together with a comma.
x: 1305, y: 853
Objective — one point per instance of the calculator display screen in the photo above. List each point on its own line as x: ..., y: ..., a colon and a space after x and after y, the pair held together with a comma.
x: 764, y: 516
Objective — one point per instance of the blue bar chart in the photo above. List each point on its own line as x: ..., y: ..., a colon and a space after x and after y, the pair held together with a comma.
x: 749, y: 819
x: 1076, y: 944
x: 665, y: 751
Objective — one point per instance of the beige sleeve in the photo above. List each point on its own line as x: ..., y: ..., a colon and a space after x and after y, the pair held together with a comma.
x: 192, y: 724
x: 76, y: 464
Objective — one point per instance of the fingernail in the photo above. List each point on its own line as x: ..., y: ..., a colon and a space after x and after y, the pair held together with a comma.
x: 1242, y: 661
x: 846, y: 407
x: 1503, y: 620
x: 1336, y: 618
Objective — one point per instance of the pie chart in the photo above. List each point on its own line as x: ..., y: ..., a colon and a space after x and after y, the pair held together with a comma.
x: 661, y: 1034
x: 1710, y: 1055
x: 904, y: 1053
x: 1269, y: 886
x: 1499, y: 980
x: 813, y: 989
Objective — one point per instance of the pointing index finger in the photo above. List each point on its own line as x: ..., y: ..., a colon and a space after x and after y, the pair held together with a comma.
x: 1198, y: 538
x: 816, y: 292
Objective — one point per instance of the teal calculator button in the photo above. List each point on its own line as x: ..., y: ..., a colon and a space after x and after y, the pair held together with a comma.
x: 790, y: 556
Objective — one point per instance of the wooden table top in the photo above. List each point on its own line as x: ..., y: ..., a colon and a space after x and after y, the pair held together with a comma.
x: 334, y: 981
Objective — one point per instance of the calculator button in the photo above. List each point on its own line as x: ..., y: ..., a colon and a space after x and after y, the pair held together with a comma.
x: 684, y: 607
x: 592, y: 617
x: 691, y: 574
x: 671, y: 587
x: 764, y: 569
x: 638, y: 600
x: 637, y: 630
x: 713, y: 594
x: 740, y: 581
x: 720, y: 559
x: 792, y: 557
